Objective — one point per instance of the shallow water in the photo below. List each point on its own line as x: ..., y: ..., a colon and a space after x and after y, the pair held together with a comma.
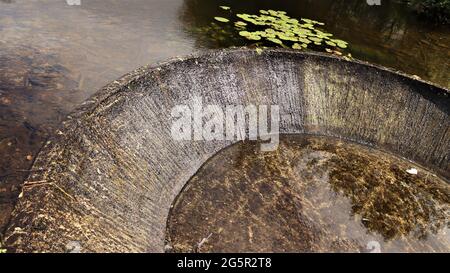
x: 314, y: 194
x: 54, y: 55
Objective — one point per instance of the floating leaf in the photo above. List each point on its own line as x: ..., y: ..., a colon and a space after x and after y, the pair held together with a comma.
x: 315, y: 39
x: 224, y: 7
x: 243, y: 16
x: 254, y: 37
x: 283, y: 36
x: 250, y: 35
x: 278, y: 28
x: 304, y: 40
x: 240, y: 24
x: 273, y: 13
x: 221, y: 19
x: 244, y: 33
x: 275, y: 40
x: 340, y: 43
x: 297, y: 46
x: 310, y: 26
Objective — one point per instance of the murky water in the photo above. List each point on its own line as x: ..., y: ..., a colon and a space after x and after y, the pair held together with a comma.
x: 314, y: 194
x: 54, y: 55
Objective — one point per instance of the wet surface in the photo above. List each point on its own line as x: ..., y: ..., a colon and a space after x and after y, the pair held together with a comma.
x: 53, y: 55
x: 314, y: 194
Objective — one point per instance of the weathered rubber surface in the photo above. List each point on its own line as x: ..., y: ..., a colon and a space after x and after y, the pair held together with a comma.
x: 109, y: 176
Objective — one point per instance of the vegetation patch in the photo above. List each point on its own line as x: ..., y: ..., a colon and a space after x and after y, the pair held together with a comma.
x: 276, y: 28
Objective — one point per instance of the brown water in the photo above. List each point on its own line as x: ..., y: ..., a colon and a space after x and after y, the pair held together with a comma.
x: 313, y: 194
x: 54, y: 55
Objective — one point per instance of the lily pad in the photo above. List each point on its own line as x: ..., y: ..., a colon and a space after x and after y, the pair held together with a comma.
x: 297, y: 46
x: 222, y: 19
x: 280, y: 29
x: 315, y: 39
x: 244, y: 33
x: 240, y: 24
x: 340, y: 43
x: 275, y: 40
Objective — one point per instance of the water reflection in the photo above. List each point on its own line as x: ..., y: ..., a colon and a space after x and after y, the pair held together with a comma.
x: 312, y: 194
x: 388, y: 34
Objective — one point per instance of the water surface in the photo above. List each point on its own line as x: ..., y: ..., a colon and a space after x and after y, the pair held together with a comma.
x: 389, y: 34
x: 313, y: 194
x: 54, y: 55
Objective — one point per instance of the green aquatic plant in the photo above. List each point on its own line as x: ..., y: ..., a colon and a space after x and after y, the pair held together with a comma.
x: 276, y: 28
x: 221, y: 19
